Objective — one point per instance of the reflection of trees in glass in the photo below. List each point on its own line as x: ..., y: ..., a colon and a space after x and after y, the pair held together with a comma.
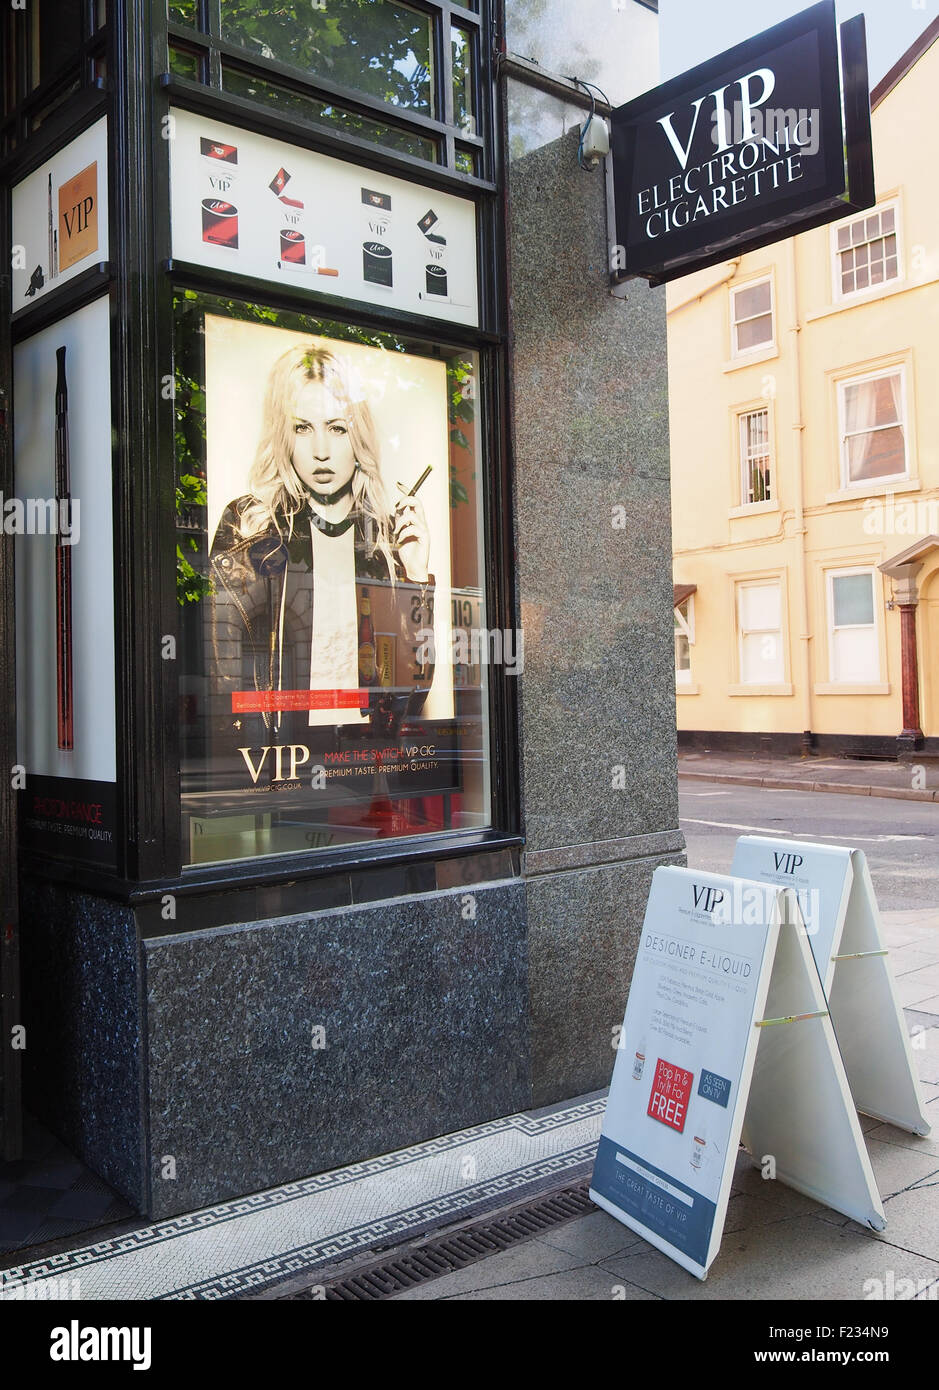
x: 192, y: 569
x: 461, y: 384
x: 372, y: 46
x: 309, y: 109
x: 462, y: 51
x: 564, y: 38
x: 537, y: 119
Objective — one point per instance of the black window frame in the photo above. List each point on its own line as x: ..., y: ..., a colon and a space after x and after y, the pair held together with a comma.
x: 205, y: 40
x: 141, y: 280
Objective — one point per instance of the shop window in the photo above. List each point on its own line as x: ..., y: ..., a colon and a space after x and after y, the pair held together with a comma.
x: 872, y: 411
x: 182, y: 12
x: 354, y: 708
x: 755, y: 473
x: 854, y: 657
x: 464, y: 102
x: 866, y: 252
x: 56, y: 36
x: 382, y: 49
x: 684, y: 640
x: 760, y: 633
x: 751, y: 312
x: 308, y: 108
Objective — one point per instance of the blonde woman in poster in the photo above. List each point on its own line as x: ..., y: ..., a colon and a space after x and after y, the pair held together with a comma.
x: 311, y: 562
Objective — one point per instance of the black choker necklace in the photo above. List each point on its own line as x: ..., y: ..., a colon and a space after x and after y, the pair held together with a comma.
x: 326, y: 499
x: 331, y: 528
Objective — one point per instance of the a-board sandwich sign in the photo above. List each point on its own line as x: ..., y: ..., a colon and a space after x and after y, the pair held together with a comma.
x: 726, y: 1036
x: 836, y: 895
x: 767, y: 139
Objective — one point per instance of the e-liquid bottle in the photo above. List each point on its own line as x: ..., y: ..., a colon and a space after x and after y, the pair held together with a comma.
x: 639, y: 1060
x: 699, y: 1146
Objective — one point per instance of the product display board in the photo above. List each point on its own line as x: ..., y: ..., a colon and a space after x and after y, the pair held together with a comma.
x: 65, y: 696
x: 837, y: 900
x: 60, y: 217
x: 249, y: 204
x: 726, y: 1037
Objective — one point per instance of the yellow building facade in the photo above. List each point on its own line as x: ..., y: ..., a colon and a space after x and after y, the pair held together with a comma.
x: 804, y: 405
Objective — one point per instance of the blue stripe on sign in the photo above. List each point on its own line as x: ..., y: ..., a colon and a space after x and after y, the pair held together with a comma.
x: 673, y: 1210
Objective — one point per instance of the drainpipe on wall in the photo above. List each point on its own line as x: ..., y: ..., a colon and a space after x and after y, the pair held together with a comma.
x: 804, y: 657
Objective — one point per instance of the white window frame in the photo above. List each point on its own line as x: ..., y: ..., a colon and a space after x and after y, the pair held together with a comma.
x: 743, y: 463
x: 764, y: 582
x: 770, y: 343
x: 885, y: 286
x: 831, y: 575
x: 686, y: 626
x: 897, y: 369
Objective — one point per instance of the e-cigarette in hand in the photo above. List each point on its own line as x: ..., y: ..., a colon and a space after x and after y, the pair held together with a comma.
x: 420, y: 482
x: 63, y: 563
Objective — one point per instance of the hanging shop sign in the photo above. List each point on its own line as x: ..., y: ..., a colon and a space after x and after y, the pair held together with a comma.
x: 726, y: 1036
x: 768, y: 139
x: 61, y: 517
x: 60, y: 217
x: 838, y: 903
x: 250, y: 205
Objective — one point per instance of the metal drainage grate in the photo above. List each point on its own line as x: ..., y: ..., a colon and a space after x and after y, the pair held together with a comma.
x: 444, y: 1254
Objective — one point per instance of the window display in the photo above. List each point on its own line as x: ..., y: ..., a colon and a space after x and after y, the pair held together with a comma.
x: 329, y: 538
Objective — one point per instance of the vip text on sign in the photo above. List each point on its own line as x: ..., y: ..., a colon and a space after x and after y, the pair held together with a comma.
x: 743, y: 150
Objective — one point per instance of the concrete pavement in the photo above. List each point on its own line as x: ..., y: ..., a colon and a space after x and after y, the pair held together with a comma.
x: 777, y: 1243
x: 915, y: 781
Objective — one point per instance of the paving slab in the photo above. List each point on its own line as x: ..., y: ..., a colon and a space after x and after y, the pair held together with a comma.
x: 912, y: 1225
x: 592, y: 1237
x: 914, y: 957
x: 587, y: 1283
x: 897, y: 1168
x: 914, y: 989
x: 924, y: 1144
x: 801, y: 1258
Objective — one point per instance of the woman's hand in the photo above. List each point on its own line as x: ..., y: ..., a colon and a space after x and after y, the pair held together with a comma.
x: 411, y: 537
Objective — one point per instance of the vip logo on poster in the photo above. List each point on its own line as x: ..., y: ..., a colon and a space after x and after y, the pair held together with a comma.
x: 78, y: 217
x: 671, y: 1089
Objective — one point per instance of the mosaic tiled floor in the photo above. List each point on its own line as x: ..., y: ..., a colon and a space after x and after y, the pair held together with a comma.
x: 238, y: 1247
x: 48, y: 1194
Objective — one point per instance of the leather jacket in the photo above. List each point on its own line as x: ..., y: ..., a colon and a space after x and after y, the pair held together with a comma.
x: 261, y: 613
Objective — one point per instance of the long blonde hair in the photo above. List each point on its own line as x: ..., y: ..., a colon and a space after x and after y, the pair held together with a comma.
x: 277, y: 493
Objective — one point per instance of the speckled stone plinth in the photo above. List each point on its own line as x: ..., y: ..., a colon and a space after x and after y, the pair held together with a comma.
x: 83, y: 1064
x: 285, y: 1048
x: 590, y: 406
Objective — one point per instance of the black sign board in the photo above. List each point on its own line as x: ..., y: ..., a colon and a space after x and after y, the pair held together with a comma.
x: 763, y: 141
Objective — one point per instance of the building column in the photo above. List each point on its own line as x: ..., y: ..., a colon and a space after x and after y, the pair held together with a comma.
x: 903, y: 569
x: 911, y: 735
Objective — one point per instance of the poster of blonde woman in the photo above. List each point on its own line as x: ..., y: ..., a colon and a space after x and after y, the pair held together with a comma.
x: 328, y: 556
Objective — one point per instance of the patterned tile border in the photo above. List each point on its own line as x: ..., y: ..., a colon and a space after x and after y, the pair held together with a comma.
x: 402, y: 1192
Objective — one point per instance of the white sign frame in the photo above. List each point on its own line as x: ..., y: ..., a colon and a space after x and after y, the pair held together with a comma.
x: 774, y: 1034
x: 837, y: 897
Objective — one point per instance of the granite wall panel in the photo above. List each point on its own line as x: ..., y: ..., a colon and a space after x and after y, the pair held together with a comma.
x: 423, y: 1003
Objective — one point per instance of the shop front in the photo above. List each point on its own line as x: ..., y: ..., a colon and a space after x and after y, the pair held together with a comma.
x: 344, y: 744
